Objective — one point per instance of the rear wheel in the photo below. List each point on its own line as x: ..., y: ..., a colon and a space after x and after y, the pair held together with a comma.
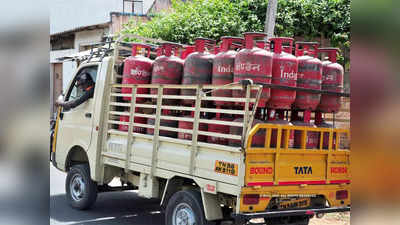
x: 185, y: 208
x: 81, y: 190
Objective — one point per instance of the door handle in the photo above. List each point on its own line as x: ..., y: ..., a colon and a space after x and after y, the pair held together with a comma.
x: 88, y: 115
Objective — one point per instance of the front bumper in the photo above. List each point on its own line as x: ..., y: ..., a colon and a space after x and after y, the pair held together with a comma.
x: 284, y: 213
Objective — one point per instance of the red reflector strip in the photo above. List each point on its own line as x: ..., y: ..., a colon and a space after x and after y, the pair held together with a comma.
x: 302, y: 182
x: 298, y: 182
x: 286, y: 183
x: 340, y: 181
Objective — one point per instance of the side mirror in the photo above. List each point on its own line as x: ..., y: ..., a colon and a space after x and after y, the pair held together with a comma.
x: 61, y: 98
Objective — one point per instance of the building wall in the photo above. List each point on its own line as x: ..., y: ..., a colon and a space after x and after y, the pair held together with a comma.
x: 160, y: 5
x: 56, y: 82
x: 119, y: 19
x: 68, y: 66
x: 83, y: 38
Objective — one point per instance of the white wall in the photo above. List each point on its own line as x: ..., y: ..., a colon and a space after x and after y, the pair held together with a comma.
x: 54, y: 55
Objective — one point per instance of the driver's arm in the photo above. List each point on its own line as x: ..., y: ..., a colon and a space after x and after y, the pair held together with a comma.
x: 74, y: 103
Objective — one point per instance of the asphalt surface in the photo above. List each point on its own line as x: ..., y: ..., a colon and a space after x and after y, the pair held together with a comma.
x: 110, y: 208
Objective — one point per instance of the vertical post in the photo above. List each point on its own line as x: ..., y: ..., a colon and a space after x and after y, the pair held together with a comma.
x: 321, y: 139
x: 270, y: 18
x: 195, y: 133
x: 328, y: 158
x: 253, y: 113
x: 115, y: 59
x: 130, y: 129
x: 304, y: 133
x: 246, y: 125
x: 287, y: 136
x: 104, y: 129
x: 156, y: 134
x: 277, y: 154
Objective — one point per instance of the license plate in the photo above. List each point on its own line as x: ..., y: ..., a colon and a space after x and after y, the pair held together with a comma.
x: 295, y: 203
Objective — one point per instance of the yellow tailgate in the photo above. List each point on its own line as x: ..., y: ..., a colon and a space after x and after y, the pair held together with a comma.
x: 272, y: 168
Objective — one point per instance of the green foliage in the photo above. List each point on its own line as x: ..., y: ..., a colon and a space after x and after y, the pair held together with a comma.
x: 186, y: 21
x: 311, y: 19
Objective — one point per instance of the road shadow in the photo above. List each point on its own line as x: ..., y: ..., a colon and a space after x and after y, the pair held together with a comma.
x: 110, y: 208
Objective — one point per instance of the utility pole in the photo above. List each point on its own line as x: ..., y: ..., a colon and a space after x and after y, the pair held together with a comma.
x: 270, y: 18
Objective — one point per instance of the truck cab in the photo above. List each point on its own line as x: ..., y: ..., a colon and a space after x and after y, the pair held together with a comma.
x: 78, y: 128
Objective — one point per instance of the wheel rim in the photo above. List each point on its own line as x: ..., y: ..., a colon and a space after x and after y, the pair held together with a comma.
x: 77, y: 187
x: 183, y: 215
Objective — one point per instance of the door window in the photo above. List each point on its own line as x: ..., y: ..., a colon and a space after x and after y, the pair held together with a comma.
x: 74, y: 92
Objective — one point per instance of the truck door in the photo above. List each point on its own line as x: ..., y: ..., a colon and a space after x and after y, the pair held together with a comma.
x: 76, y: 125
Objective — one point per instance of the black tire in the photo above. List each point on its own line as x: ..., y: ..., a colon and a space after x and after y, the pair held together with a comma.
x: 189, y: 200
x: 80, y: 196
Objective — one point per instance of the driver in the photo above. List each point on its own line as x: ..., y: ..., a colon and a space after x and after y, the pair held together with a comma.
x: 84, y: 82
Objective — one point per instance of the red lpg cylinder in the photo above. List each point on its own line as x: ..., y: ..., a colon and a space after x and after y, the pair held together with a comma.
x: 309, y: 75
x: 167, y: 69
x: 312, y: 140
x: 332, y: 80
x: 223, y: 65
x: 263, y: 44
x: 163, y: 123
x: 288, y: 49
x: 197, y: 68
x: 217, y: 49
x: 284, y: 72
x: 137, y: 119
x: 188, y: 50
x: 258, y: 138
x: 217, y: 128
x: 137, y: 70
x: 159, y: 51
x: 189, y: 126
x: 253, y: 63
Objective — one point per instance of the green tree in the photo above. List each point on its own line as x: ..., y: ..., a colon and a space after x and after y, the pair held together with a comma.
x: 310, y: 19
x: 186, y: 21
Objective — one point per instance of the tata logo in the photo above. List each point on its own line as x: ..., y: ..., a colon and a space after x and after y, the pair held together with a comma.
x: 303, y: 170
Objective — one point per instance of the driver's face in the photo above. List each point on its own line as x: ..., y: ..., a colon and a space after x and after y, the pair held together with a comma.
x: 80, y: 85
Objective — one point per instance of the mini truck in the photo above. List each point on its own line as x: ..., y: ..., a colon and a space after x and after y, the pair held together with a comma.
x: 197, y: 182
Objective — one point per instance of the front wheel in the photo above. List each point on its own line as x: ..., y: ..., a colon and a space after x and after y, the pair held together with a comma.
x: 81, y: 190
x: 185, y: 208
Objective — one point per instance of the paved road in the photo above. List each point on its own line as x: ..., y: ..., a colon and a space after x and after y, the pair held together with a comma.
x: 110, y: 208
